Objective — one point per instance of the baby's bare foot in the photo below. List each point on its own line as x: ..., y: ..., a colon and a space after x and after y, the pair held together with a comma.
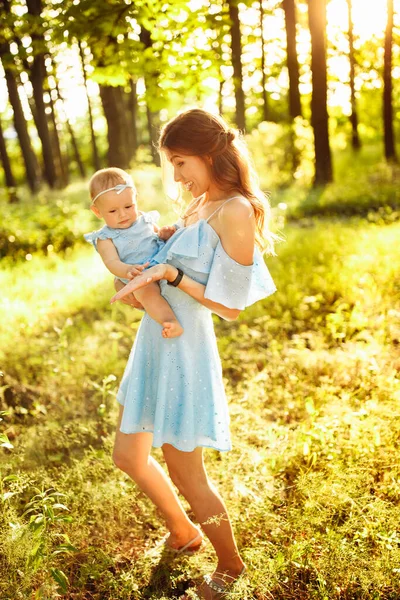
x: 171, y: 329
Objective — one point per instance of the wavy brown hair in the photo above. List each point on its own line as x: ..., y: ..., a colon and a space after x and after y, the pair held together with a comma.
x: 197, y: 132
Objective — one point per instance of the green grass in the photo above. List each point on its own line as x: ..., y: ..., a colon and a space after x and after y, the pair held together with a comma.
x: 312, y: 483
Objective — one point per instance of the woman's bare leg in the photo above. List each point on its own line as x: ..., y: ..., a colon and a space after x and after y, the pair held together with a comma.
x: 132, y: 455
x: 187, y: 471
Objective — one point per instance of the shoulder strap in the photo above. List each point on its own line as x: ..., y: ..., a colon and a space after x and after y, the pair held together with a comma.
x: 220, y: 206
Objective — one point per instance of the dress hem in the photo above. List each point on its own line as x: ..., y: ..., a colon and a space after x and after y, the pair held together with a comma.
x: 174, y: 445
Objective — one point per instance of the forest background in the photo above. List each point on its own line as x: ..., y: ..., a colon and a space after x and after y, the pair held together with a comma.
x: 312, y: 373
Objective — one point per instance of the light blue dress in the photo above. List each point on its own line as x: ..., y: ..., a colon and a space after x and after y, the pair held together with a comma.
x: 136, y: 244
x: 173, y: 387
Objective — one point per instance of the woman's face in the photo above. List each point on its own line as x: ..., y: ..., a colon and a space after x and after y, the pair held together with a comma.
x: 192, y: 172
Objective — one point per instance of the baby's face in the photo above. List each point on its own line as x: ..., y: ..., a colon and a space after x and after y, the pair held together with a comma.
x: 119, y: 211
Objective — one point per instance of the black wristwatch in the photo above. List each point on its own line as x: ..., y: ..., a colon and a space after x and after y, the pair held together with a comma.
x: 177, y: 279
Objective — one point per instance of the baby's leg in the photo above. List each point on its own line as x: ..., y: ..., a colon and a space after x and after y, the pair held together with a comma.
x: 158, y: 308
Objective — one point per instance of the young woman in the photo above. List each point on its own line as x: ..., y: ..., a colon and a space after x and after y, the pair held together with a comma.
x: 172, y: 394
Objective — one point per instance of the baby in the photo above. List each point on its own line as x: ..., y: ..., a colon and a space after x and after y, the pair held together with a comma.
x: 129, y: 240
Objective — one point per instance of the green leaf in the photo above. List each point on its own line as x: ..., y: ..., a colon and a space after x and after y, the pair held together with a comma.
x: 60, y: 578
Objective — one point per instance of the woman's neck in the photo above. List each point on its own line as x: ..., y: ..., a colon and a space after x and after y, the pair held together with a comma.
x: 217, y: 194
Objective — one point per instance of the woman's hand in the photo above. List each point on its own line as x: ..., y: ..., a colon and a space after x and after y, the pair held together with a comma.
x: 130, y: 299
x: 156, y: 273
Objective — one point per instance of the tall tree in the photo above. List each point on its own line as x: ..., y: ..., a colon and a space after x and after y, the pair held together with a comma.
x: 115, y: 112
x: 5, y: 161
x: 319, y: 110
x: 132, y: 109
x: 150, y: 80
x: 289, y: 8
x: 263, y: 77
x: 355, y: 138
x: 71, y: 132
x: 95, y: 152
x: 236, y: 47
x: 59, y: 160
x: 390, y: 150
x: 20, y: 124
x: 37, y: 76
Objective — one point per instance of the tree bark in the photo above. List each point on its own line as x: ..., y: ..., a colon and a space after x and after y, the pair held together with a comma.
x: 5, y: 161
x: 236, y: 48
x: 319, y: 111
x: 263, y: 78
x: 289, y: 8
x: 152, y: 117
x: 37, y: 75
x: 31, y: 164
x: 114, y: 111
x: 355, y: 138
x: 132, y: 106
x: 95, y: 153
x: 74, y: 144
x: 59, y: 161
x: 221, y: 95
x: 390, y: 150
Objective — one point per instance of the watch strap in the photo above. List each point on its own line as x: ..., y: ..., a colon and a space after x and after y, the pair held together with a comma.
x: 177, y: 279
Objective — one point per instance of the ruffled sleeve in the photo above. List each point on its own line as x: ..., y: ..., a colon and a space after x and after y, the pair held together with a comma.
x: 235, y: 285
x: 105, y: 233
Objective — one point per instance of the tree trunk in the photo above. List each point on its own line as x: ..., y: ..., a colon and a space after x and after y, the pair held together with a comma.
x: 221, y: 95
x: 263, y: 78
x: 60, y: 162
x: 37, y: 76
x: 5, y: 161
x: 74, y: 144
x: 390, y: 150
x: 152, y: 126
x: 236, y: 47
x: 95, y: 153
x: 319, y: 111
x: 132, y: 116
x: 31, y: 164
x: 292, y: 61
x: 152, y: 117
x: 114, y: 111
x: 355, y: 138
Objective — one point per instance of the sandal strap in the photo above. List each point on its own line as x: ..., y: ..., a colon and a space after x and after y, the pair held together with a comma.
x: 190, y: 543
x: 217, y: 587
x: 221, y: 587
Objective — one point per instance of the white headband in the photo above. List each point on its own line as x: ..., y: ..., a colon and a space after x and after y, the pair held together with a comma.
x: 118, y: 188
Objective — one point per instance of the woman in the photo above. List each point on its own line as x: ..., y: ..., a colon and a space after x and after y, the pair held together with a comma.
x: 172, y: 394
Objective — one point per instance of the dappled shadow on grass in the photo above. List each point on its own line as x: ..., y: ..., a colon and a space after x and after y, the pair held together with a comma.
x: 165, y: 579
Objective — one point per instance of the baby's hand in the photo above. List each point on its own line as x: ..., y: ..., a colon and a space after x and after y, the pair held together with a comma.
x: 135, y: 270
x: 166, y: 232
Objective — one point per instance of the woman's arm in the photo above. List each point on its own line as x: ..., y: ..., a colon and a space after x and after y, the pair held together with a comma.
x: 236, y: 229
x: 130, y: 299
x: 196, y: 291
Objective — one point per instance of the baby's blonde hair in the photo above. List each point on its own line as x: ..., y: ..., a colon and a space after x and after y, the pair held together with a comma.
x: 105, y: 179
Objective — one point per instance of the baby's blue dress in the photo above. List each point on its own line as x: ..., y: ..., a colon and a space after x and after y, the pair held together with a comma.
x: 136, y: 244
x: 173, y: 387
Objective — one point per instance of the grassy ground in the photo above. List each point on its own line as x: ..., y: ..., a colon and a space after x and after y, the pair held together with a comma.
x: 313, y: 481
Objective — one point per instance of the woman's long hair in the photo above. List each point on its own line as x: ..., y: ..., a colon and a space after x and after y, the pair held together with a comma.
x: 197, y: 132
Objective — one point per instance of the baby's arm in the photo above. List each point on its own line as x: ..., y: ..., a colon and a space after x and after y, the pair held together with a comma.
x: 166, y: 232
x: 110, y: 258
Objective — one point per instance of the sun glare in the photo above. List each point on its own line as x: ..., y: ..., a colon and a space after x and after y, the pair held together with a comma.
x: 369, y: 20
x: 369, y: 17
